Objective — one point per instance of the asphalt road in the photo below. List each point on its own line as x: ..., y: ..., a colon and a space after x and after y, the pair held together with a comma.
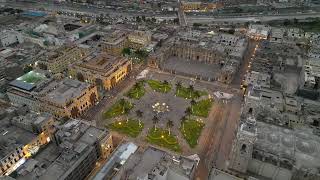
x: 190, y: 19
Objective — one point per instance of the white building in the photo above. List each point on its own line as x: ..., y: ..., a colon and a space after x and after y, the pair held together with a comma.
x: 258, y: 31
x: 10, y: 37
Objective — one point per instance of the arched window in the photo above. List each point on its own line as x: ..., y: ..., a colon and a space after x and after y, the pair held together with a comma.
x: 244, y: 148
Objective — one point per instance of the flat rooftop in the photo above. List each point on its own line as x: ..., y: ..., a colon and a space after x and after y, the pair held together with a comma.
x: 101, y: 62
x: 12, y: 137
x: 29, y: 80
x: 154, y: 163
x: 65, y: 90
x: 54, y: 162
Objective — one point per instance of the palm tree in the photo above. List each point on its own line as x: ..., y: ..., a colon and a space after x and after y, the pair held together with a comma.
x: 122, y: 103
x: 166, y: 83
x: 178, y: 86
x: 197, y: 94
x: 136, y: 87
x: 183, y: 120
x: 139, y: 115
x: 155, y: 120
x: 169, y: 126
x: 188, y: 112
x: 191, y: 88
x: 193, y: 102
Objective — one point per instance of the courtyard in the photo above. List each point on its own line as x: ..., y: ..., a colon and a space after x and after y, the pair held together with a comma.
x: 191, y: 68
x: 161, y: 112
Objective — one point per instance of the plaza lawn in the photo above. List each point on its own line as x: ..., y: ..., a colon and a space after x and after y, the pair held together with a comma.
x: 202, y: 108
x: 188, y: 93
x: 159, y: 86
x: 118, y: 109
x: 191, y: 130
x: 162, y: 138
x: 137, y: 91
x: 130, y: 127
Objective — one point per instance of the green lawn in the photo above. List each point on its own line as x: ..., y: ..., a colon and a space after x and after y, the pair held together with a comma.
x: 130, y: 127
x: 188, y: 93
x: 159, y: 86
x: 202, y: 108
x: 118, y: 109
x: 137, y: 91
x: 191, y: 130
x: 162, y: 138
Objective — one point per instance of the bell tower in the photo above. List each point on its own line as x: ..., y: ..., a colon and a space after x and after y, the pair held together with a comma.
x: 243, y: 145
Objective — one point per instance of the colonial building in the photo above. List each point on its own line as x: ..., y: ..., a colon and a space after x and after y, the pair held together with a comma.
x: 222, y: 52
x: 101, y: 69
x: 198, y: 6
x: 139, y: 39
x: 62, y: 98
x: 115, y: 42
x: 57, y: 61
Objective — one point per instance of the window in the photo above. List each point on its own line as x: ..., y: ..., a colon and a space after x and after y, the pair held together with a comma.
x: 244, y: 148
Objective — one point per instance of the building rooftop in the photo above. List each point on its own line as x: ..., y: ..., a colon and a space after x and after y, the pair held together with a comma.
x: 115, y: 37
x: 101, y: 61
x: 62, y: 92
x: 299, y: 145
x: 119, y: 157
x: 12, y: 137
x: 153, y: 163
x: 217, y: 174
x: 29, y: 80
x: 76, y: 139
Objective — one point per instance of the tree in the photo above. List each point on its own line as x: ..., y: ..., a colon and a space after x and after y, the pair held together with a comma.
x: 183, y: 120
x: 196, y: 25
x: 193, y: 102
x: 27, y: 69
x: 155, y: 121
x: 197, y: 94
x: 166, y: 83
x: 138, y: 19
x: 169, y: 126
x: 188, y: 112
x: 122, y: 103
x: 137, y: 86
x: 176, y: 20
x: 80, y: 77
x: 191, y: 88
x: 139, y: 114
x: 126, y: 51
x: 178, y: 86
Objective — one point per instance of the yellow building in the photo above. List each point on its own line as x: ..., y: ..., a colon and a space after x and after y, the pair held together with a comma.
x: 114, y: 43
x: 101, y: 69
x: 67, y: 98
x: 198, y: 6
x: 139, y: 39
x: 57, y: 61
x: 118, y: 40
